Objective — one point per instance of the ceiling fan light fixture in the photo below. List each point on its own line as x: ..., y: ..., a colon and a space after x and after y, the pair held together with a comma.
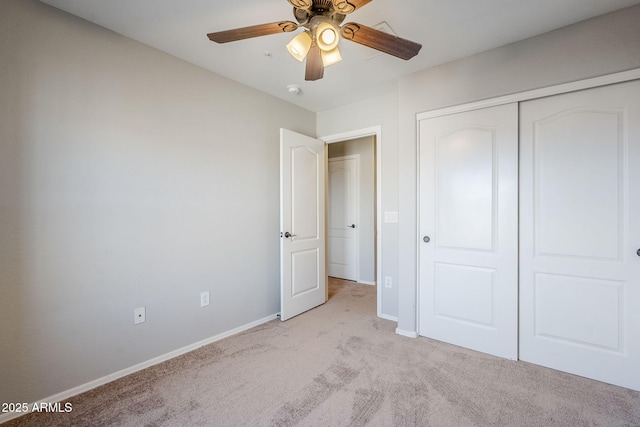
x: 327, y: 36
x: 299, y: 46
x: 331, y: 57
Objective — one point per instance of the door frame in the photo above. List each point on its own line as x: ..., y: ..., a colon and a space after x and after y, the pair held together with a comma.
x: 355, y: 157
x: 375, y: 131
x: 590, y: 83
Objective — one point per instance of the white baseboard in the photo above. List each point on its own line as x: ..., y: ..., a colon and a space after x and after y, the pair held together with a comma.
x: 140, y: 366
x: 388, y: 317
x: 364, y: 282
x: 409, y: 334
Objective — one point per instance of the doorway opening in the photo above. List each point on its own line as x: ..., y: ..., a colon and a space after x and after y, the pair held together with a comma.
x: 354, y: 161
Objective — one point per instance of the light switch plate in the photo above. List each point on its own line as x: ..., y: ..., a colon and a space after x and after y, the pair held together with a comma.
x: 390, y: 217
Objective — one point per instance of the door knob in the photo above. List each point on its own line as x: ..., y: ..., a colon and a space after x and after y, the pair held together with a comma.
x: 351, y: 226
x: 426, y: 239
x: 638, y: 252
x: 287, y: 235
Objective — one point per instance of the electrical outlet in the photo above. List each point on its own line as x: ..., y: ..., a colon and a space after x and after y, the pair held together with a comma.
x: 204, y: 299
x: 139, y: 315
x: 388, y: 282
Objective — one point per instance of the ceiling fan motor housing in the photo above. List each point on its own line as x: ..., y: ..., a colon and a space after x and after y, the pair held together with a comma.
x: 305, y: 10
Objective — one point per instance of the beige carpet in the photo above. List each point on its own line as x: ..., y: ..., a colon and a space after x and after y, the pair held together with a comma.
x: 340, y: 365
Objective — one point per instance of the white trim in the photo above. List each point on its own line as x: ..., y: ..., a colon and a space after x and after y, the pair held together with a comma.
x: 388, y: 317
x: 408, y: 334
x: 535, y: 93
x: 359, y: 133
x: 135, y: 368
x: 417, y: 233
x: 364, y: 282
x: 353, y: 134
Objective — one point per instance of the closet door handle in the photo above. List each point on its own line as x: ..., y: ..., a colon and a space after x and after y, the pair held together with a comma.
x: 426, y: 239
x: 351, y: 226
x: 638, y: 252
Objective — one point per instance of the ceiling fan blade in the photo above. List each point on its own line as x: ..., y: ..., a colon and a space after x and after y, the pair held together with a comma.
x: 387, y: 43
x: 253, y: 31
x: 348, y: 6
x: 301, y: 4
x: 315, y: 67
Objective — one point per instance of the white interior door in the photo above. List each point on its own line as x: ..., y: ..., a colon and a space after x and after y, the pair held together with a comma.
x: 302, y: 223
x: 468, y: 275
x: 343, y: 218
x: 580, y: 233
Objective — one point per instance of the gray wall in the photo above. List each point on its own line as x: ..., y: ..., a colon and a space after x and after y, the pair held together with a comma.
x: 127, y: 178
x: 365, y: 147
x: 596, y: 47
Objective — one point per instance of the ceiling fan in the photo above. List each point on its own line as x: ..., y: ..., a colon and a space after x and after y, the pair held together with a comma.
x: 318, y: 43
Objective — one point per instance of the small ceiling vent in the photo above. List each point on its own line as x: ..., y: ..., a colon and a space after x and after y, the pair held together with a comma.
x: 385, y: 28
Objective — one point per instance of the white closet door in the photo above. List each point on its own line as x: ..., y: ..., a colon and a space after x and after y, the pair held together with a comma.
x: 579, y: 231
x: 468, y: 292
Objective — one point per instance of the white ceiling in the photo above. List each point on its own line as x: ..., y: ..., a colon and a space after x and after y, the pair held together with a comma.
x: 447, y: 30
